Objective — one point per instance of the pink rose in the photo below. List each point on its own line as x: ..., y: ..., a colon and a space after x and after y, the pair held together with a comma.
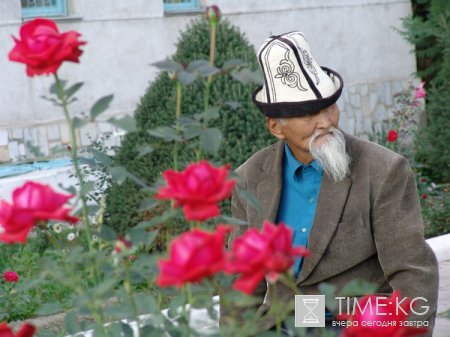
x: 420, y: 91
x: 379, y: 317
x: 193, y: 256
x: 31, y: 204
x: 27, y: 330
x: 257, y: 254
x: 392, y: 136
x: 198, y: 189
x: 43, y: 48
x: 10, y: 276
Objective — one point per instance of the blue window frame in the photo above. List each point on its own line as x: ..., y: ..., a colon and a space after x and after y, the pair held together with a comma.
x: 34, y: 8
x: 180, y: 5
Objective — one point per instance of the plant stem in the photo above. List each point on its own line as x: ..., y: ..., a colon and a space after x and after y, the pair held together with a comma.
x: 177, y: 124
x: 212, y: 49
x: 129, y: 290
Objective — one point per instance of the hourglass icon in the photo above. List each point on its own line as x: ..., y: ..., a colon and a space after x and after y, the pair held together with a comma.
x: 310, y: 304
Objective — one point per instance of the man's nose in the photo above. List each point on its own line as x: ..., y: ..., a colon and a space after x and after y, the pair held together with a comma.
x: 323, y: 120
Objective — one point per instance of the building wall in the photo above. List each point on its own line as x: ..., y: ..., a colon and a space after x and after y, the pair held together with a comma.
x: 354, y: 37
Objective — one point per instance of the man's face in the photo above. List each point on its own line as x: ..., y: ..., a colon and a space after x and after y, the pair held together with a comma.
x: 298, y: 131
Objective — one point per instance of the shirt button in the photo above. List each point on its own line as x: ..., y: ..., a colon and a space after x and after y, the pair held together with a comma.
x: 311, y: 200
x: 303, y: 229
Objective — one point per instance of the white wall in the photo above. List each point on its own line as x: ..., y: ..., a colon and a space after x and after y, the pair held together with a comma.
x: 354, y: 37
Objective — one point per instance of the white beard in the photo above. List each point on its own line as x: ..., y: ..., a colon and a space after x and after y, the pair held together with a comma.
x: 330, y: 154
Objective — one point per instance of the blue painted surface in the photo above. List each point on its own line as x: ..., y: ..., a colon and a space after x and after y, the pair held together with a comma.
x: 181, y: 6
x: 59, y: 9
x: 17, y: 169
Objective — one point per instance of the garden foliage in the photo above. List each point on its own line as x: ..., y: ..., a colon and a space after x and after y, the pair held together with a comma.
x: 241, y: 123
x: 429, y: 31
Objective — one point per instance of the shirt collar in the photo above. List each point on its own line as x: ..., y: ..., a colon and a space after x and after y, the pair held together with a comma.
x: 292, y: 164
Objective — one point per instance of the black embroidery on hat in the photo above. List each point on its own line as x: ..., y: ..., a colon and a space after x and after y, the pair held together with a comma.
x: 287, y: 74
x: 308, y: 62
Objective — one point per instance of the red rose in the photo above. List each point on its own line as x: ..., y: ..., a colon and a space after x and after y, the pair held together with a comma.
x: 212, y: 14
x: 10, y: 276
x: 193, y: 256
x: 423, y: 180
x: 384, y: 318
x: 424, y: 196
x: 43, y: 48
x: 27, y: 330
x: 32, y: 203
x: 198, y: 189
x: 392, y: 136
x: 256, y: 254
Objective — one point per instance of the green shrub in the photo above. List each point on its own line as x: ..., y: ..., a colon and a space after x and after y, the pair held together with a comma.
x: 429, y: 31
x: 243, y: 129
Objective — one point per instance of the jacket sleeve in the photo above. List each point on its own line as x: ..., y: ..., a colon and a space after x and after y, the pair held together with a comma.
x: 228, y: 312
x: 408, y: 262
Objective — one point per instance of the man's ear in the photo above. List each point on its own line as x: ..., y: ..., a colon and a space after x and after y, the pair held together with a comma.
x: 275, y: 127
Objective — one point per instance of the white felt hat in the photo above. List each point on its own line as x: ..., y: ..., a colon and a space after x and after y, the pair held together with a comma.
x: 294, y: 83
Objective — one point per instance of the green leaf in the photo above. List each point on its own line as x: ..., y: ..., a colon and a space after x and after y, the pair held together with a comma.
x: 107, y: 233
x: 148, y: 205
x: 230, y: 64
x: 233, y: 105
x: 73, y: 89
x: 246, y: 76
x: 49, y: 309
x: 191, y: 131
x: 71, y: 322
x: 100, y: 156
x: 54, y: 88
x: 212, y: 113
x: 358, y: 287
x: 168, y: 65
x: 210, y: 140
x: 127, y: 330
x: 186, y: 78
x: 79, y: 122
x: 100, y: 106
x: 87, y: 187
x: 146, y: 303
x: 165, y: 132
x: 250, y: 197
x: 118, y: 174
x: 126, y: 123
x: 144, y: 150
x: 202, y: 68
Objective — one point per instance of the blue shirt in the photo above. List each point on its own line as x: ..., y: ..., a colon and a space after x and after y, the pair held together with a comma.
x: 298, y: 202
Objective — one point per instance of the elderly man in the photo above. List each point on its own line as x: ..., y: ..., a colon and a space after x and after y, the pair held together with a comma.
x: 352, y: 203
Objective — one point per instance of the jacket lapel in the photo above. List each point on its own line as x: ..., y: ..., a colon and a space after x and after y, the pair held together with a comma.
x: 331, y: 202
x: 268, y: 190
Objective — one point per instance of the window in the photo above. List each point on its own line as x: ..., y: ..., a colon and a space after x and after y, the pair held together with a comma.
x: 180, y: 5
x: 34, y: 8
